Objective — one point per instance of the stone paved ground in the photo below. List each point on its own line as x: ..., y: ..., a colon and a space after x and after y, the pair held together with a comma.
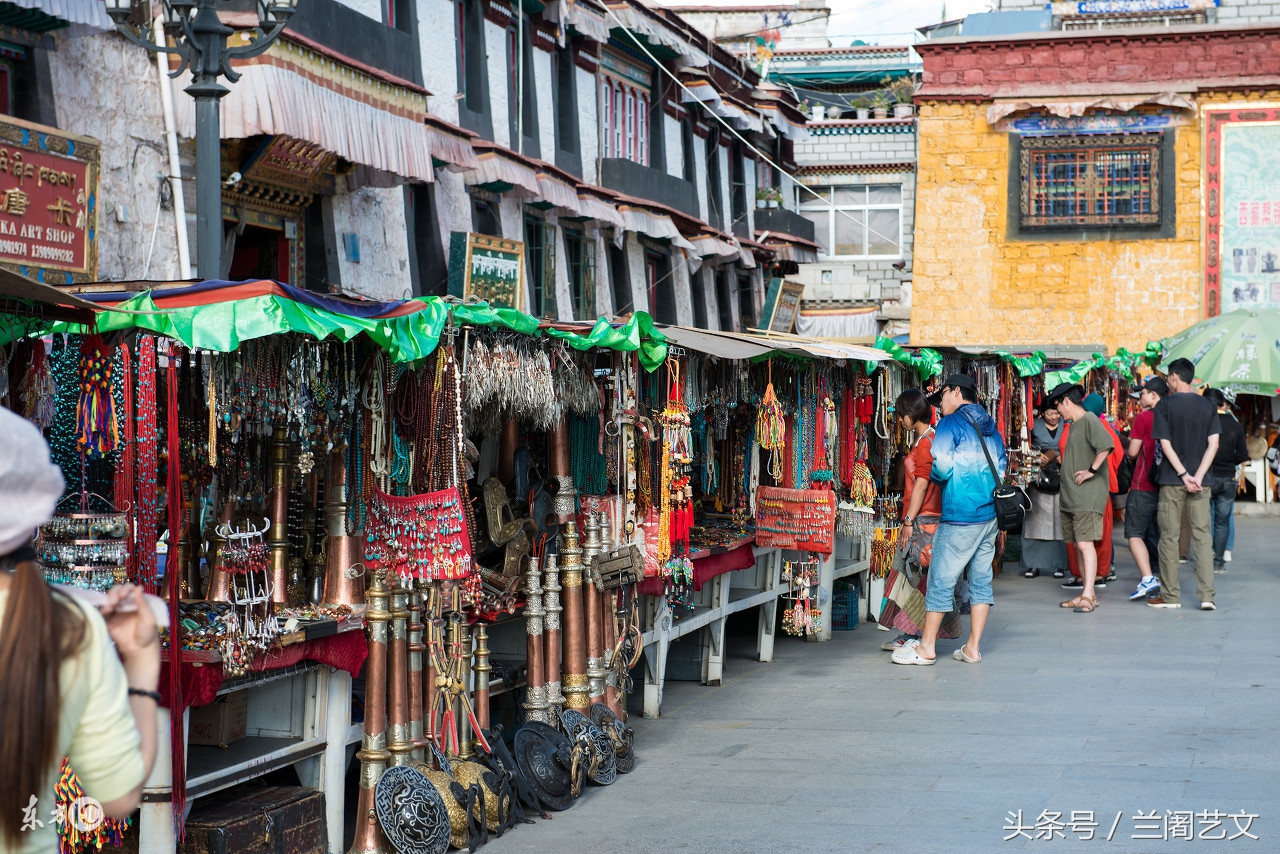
x: 832, y: 749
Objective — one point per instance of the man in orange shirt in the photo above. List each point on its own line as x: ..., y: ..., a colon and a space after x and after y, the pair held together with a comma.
x: 1095, y: 404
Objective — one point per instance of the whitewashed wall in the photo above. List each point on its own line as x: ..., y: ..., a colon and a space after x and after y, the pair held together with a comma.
x: 378, y: 216
x: 122, y: 111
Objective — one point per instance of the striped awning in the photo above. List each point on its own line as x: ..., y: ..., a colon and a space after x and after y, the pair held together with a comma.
x: 655, y: 225
x: 492, y: 168
x: 85, y: 17
x: 292, y: 90
x: 601, y: 211
x: 451, y: 145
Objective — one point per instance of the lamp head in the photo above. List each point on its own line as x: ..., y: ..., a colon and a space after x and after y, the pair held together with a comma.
x: 273, y: 12
x: 177, y: 11
x: 120, y: 10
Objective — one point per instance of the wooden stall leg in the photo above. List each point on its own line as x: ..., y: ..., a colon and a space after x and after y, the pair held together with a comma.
x: 764, y: 636
x: 713, y: 634
x: 826, y: 586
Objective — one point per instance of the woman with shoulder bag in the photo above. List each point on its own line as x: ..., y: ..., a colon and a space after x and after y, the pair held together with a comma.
x: 922, y: 503
x: 1042, y: 545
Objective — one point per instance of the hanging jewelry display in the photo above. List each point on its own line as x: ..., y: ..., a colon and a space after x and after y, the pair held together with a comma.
x: 884, y: 544
x: 37, y: 391
x: 86, y: 550
x: 676, y: 519
x: 802, y: 616
x: 251, y: 626
x: 97, y: 432
x: 147, y: 464
x: 771, y: 427
x: 418, y: 537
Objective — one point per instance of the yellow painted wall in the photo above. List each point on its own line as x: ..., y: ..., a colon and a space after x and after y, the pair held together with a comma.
x: 972, y: 287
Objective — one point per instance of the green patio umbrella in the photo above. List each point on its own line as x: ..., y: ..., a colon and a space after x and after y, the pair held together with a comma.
x: 1239, y: 350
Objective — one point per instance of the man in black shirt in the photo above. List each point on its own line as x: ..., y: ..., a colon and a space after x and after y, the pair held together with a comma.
x: 1186, y: 426
x: 1232, y: 451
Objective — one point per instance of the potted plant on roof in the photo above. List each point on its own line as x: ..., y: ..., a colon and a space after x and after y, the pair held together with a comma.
x: 768, y: 197
x: 902, y: 91
x: 861, y: 107
x: 880, y: 104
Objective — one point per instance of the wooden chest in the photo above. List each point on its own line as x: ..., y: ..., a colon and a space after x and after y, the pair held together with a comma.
x: 257, y: 820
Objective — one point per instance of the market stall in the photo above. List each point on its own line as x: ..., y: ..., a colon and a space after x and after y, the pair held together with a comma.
x: 445, y: 531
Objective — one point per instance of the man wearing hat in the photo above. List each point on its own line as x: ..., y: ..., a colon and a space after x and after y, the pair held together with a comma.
x: 1144, y: 493
x: 963, y: 441
x: 1095, y: 404
x: 1085, y: 494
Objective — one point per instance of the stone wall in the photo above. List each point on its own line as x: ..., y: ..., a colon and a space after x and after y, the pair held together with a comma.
x: 972, y: 286
x: 122, y: 111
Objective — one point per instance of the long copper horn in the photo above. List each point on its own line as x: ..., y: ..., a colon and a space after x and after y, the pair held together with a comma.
x: 535, y: 702
x: 416, y: 648
x: 552, y: 635
x: 508, y: 444
x: 574, y: 680
x: 398, y: 742
x: 278, y: 533
x: 373, y: 754
x: 561, y: 470
x: 343, y: 581
x: 591, y: 595
x: 482, y: 668
x: 219, y: 579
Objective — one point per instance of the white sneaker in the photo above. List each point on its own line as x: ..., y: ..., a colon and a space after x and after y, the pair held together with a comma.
x: 1226, y: 556
x: 1145, y: 586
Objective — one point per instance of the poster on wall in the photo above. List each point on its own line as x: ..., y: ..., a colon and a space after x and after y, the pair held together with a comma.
x: 48, y: 203
x: 1242, y: 252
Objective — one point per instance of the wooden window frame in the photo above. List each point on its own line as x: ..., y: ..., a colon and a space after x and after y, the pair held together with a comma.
x: 1088, y: 155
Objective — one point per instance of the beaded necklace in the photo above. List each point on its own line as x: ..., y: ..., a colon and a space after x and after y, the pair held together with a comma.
x: 145, y: 571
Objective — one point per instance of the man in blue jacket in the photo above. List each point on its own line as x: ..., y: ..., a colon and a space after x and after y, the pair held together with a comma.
x: 966, y: 536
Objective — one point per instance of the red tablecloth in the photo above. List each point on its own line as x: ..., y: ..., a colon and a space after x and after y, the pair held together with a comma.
x: 707, y: 568
x: 200, y: 682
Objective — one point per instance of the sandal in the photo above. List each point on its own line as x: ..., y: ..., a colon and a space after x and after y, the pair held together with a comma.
x: 1031, y: 573
x: 1086, y: 605
x: 1073, y: 603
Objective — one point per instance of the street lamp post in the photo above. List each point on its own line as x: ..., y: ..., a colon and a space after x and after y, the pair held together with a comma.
x: 200, y: 39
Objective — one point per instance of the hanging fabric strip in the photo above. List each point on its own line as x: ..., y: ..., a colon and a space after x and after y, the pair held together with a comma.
x: 172, y: 573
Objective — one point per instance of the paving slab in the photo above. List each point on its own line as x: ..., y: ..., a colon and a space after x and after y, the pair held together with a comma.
x: 830, y: 748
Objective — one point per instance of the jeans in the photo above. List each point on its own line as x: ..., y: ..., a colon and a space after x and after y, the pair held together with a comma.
x: 955, y: 548
x: 1224, y: 503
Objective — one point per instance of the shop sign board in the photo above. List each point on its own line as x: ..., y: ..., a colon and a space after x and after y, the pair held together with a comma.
x: 1242, y: 240
x: 48, y: 203
x: 487, y: 268
x: 781, y: 306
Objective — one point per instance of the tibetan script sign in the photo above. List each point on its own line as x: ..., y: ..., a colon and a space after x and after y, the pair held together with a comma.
x: 802, y: 519
x: 48, y: 202
x: 487, y: 268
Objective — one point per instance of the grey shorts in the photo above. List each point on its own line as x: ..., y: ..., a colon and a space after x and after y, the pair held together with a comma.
x: 1139, y: 513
